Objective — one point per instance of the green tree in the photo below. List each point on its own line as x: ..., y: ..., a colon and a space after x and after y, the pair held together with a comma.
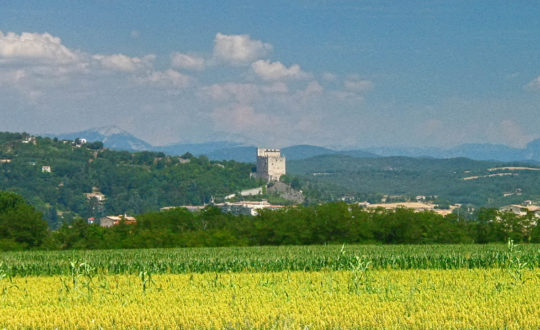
x: 20, y: 223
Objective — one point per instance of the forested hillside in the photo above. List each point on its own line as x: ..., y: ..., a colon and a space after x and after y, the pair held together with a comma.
x: 132, y: 183
x: 456, y: 180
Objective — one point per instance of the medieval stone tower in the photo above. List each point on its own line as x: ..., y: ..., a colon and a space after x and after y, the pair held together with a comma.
x: 270, y: 164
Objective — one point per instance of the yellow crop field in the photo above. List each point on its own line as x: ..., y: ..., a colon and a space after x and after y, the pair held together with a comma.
x: 479, y: 298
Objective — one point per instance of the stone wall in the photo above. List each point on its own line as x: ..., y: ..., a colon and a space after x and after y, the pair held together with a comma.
x: 270, y: 164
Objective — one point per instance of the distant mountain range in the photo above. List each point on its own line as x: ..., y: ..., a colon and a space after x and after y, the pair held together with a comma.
x: 116, y: 138
x: 477, y: 151
x: 111, y: 136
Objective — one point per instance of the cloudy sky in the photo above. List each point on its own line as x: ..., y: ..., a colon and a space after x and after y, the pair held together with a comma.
x: 275, y: 73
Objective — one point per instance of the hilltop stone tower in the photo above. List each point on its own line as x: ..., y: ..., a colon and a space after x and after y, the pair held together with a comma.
x: 270, y: 164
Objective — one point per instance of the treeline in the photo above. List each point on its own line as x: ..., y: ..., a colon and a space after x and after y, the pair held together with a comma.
x: 331, y: 223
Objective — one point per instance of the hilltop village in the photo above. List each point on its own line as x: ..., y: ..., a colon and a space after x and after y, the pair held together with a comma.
x: 69, y: 179
x: 271, y: 166
x: 85, y: 195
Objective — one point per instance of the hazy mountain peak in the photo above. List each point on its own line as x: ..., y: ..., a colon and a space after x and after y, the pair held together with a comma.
x: 112, y: 137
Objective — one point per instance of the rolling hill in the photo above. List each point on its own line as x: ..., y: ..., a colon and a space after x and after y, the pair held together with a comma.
x: 56, y: 177
x: 455, y: 180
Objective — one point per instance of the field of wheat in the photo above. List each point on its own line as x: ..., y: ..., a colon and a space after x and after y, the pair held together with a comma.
x: 482, y: 298
x: 339, y: 287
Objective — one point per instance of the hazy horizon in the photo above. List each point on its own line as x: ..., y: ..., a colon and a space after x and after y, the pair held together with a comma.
x: 240, y: 142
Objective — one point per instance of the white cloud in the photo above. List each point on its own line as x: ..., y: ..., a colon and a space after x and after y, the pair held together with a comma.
x: 239, y: 49
x: 241, y: 93
x: 267, y: 70
x: 328, y: 76
x: 134, y: 34
x: 50, y: 80
x: 34, y: 46
x: 308, y: 94
x: 346, y: 95
x: 168, y: 78
x: 246, y: 120
x: 534, y: 85
x: 358, y: 86
x: 121, y: 62
x: 12, y: 77
x: 313, y: 88
x: 184, y: 61
x: 238, y: 117
x: 277, y: 87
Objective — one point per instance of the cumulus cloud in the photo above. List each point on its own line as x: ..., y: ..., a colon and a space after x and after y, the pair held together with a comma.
x: 328, y: 76
x: 39, y: 72
x: 239, y: 117
x: 184, y: 61
x: 267, y: 70
x: 34, y: 46
x: 41, y: 54
x: 12, y: 76
x: 276, y: 88
x: 239, y: 49
x: 308, y: 94
x: 168, y: 78
x: 358, y: 86
x: 238, y: 92
x: 121, y: 62
x: 313, y: 88
x: 534, y: 85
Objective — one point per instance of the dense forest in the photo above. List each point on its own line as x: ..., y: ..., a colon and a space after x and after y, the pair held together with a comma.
x: 132, y: 183
x: 22, y: 227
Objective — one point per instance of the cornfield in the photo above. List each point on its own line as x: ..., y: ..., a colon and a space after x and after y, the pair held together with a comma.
x: 490, y: 286
x: 267, y: 259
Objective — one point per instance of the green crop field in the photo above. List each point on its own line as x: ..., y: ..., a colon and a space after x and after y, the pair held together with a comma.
x: 270, y: 259
x: 331, y: 286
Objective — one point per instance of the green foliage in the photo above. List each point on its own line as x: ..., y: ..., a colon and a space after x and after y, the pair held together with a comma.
x: 330, y: 223
x: 359, y: 258
x: 330, y: 177
x: 132, y: 182
x: 21, y: 226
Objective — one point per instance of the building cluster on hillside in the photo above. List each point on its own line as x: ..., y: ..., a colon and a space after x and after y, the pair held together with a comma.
x: 113, y: 220
x: 522, y: 209
x: 96, y: 194
x: 244, y: 207
x: 29, y: 140
x: 416, y: 206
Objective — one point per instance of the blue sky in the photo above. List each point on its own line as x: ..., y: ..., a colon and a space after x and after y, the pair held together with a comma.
x: 333, y: 73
